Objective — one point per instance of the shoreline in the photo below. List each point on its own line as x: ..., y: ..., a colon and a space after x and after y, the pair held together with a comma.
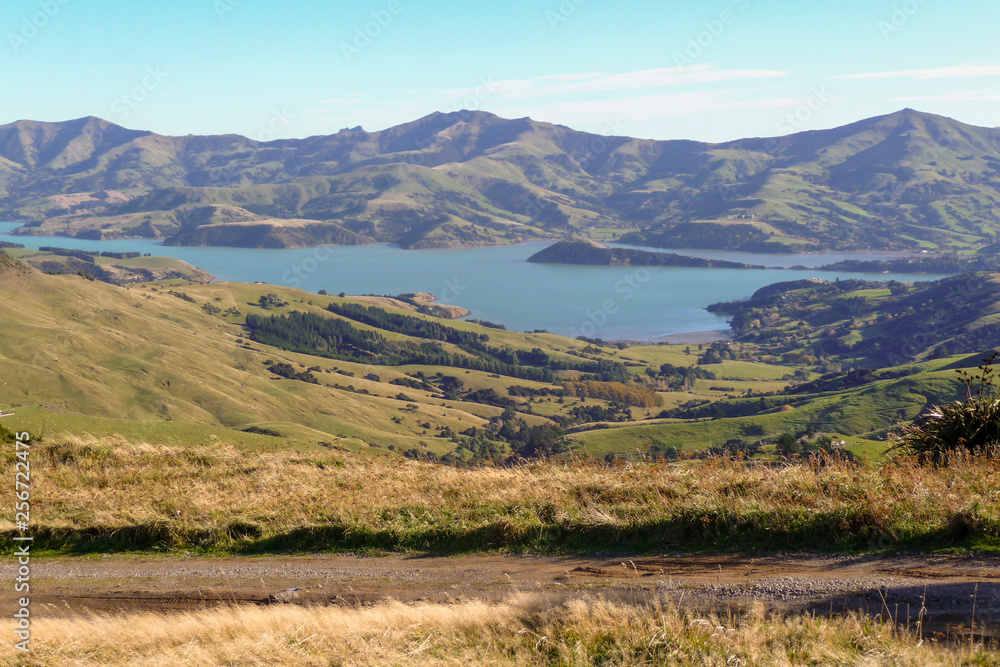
x: 683, y: 338
x: 886, y: 254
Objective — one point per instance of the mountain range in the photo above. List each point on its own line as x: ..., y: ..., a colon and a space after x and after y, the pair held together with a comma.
x: 907, y: 180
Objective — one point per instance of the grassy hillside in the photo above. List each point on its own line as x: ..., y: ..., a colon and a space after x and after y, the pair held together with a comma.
x: 86, y: 351
x: 871, y: 324
x: 176, y: 362
x: 904, y: 180
x: 116, y: 270
x: 886, y: 354
x: 860, y: 415
x: 172, y: 361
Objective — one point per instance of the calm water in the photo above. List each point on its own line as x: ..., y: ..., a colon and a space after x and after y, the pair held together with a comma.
x: 497, y: 284
x: 811, y: 260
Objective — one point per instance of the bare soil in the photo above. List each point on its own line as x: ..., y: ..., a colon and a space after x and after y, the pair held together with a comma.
x: 895, y: 588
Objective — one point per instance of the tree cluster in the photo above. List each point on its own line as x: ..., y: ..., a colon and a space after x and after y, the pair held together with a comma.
x: 615, y: 392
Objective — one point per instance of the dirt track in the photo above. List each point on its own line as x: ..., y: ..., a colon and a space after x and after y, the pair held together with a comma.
x: 890, y: 586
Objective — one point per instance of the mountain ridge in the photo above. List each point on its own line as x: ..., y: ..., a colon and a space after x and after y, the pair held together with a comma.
x: 904, y: 180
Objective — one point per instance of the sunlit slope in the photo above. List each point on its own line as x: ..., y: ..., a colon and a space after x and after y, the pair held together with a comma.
x: 859, y: 414
x: 86, y: 348
x: 92, y: 355
x: 174, y: 361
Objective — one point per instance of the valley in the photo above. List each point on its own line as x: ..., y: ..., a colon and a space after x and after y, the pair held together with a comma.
x: 365, y: 373
x: 666, y: 301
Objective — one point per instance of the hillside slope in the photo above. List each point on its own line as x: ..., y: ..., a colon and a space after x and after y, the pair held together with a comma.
x: 178, y: 362
x: 175, y: 361
x: 871, y: 324
x: 904, y: 180
x: 169, y: 363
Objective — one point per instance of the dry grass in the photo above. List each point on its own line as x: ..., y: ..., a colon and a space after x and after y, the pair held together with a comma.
x: 109, y: 495
x: 521, y: 631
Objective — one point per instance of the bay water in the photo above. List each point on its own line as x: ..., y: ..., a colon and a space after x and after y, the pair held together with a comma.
x: 499, y: 285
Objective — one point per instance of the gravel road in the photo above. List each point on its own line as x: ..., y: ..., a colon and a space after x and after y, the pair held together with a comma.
x: 893, y: 587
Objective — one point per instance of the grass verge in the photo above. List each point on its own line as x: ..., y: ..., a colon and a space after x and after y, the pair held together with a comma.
x: 110, y: 495
x: 521, y: 631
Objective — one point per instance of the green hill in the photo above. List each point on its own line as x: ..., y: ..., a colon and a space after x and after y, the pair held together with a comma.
x: 888, y: 351
x: 904, y: 180
x: 110, y: 267
x: 862, y: 414
x: 179, y: 362
x: 871, y: 324
x: 175, y: 361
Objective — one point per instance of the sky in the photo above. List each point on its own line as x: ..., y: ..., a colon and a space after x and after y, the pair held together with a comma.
x: 711, y: 70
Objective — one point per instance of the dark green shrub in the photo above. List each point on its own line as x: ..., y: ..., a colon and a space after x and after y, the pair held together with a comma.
x: 971, y: 425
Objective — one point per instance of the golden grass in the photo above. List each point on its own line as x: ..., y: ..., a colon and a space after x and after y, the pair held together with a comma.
x: 222, y: 497
x: 520, y: 631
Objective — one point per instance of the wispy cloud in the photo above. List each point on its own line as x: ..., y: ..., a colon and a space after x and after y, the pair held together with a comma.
x: 957, y: 96
x: 343, y: 100
x: 579, y: 97
x: 641, y: 107
x: 568, y: 84
x: 966, y: 70
x: 601, y: 82
x: 568, y: 77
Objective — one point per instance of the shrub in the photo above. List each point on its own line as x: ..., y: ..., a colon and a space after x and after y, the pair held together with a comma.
x: 258, y: 430
x: 181, y: 295
x: 288, y: 371
x: 972, y: 425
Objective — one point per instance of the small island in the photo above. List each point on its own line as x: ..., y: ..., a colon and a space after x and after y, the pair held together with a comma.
x: 586, y: 252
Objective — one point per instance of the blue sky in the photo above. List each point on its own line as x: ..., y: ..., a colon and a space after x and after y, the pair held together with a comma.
x: 712, y: 70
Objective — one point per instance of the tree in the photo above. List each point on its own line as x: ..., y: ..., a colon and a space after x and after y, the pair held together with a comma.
x: 271, y: 300
x: 787, y: 445
x: 450, y: 384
